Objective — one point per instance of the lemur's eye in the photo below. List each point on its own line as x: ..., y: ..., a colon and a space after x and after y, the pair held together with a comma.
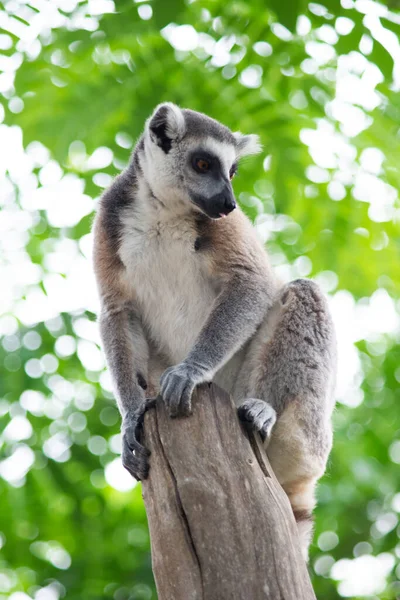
x: 201, y: 165
x: 233, y: 171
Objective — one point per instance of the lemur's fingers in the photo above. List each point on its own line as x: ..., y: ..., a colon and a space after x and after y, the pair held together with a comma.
x: 176, y: 390
x: 177, y: 397
x: 135, y: 462
x: 181, y: 404
x: 134, y: 455
x: 258, y: 415
x: 172, y: 392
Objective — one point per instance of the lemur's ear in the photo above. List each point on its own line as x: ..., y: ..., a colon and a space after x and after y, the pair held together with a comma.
x: 166, y: 124
x: 247, y: 144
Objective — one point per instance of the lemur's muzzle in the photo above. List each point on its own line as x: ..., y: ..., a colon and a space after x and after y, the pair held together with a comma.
x: 228, y: 203
x: 219, y: 205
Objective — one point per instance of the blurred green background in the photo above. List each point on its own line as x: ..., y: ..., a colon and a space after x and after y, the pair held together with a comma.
x: 320, y: 83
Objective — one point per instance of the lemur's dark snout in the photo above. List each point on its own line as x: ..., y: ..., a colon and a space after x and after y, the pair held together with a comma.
x: 219, y: 205
x: 229, y: 205
x: 224, y: 203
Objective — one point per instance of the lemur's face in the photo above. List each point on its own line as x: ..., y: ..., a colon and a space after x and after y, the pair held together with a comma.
x: 208, y: 170
x: 190, y: 160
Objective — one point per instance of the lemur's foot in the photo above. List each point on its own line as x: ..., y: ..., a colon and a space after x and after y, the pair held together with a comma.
x: 135, y: 457
x: 257, y: 415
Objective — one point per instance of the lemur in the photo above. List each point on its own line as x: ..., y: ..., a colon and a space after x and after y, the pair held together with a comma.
x: 188, y: 296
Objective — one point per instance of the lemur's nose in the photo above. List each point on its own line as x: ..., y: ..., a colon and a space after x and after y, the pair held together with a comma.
x: 229, y: 204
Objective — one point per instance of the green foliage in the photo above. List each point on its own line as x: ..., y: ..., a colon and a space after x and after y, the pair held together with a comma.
x: 316, y: 81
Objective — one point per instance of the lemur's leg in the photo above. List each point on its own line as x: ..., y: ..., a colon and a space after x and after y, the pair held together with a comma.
x: 288, y: 377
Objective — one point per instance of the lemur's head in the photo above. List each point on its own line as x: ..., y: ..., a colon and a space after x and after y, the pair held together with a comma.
x: 190, y: 159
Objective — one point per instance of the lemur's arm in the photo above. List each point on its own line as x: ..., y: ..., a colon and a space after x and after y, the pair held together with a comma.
x: 238, y: 311
x: 247, y: 293
x: 123, y: 339
x: 127, y: 355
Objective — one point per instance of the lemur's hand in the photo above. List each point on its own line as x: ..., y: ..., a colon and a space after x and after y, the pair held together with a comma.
x: 176, y: 387
x: 135, y: 457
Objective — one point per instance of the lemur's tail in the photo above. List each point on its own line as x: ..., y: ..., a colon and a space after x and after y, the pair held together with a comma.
x: 301, y: 496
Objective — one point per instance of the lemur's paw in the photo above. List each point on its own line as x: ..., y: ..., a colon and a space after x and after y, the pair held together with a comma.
x: 176, y: 387
x: 135, y: 457
x: 258, y: 415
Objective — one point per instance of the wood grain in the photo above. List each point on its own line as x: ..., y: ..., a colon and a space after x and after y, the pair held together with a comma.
x: 221, y: 527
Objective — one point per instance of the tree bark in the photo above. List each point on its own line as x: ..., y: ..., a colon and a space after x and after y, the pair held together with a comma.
x: 221, y: 527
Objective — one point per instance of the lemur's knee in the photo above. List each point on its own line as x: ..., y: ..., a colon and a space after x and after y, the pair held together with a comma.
x: 304, y: 291
x: 305, y: 315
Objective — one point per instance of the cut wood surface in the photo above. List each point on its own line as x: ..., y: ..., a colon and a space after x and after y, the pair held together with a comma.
x: 221, y: 527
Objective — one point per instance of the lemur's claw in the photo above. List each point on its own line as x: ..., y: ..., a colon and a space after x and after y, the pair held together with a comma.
x: 135, y: 457
x: 176, y: 387
x: 257, y: 415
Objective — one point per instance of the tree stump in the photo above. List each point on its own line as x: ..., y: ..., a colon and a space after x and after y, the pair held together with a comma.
x: 221, y: 527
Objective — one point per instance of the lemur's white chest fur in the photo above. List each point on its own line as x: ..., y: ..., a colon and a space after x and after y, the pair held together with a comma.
x: 167, y: 276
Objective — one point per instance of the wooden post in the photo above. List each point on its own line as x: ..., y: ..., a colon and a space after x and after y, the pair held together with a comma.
x: 221, y: 527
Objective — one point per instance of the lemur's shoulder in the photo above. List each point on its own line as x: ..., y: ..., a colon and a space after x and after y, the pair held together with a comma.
x: 117, y: 198
x: 107, y: 232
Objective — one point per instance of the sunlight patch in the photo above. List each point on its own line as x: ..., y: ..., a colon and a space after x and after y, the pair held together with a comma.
x: 363, y: 576
x: 118, y: 477
x: 14, y: 468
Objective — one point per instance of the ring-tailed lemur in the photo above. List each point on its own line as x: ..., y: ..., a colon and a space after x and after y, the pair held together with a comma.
x: 189, y: 296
